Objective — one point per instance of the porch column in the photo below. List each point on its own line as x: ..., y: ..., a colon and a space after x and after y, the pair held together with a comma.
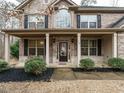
x: 47, y: 49
x: 7, y: 47
x: 78, y: 48
x: 115, y: 45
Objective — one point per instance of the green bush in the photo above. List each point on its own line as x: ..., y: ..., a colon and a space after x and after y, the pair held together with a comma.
x: 3, y: 65
x: 14, y: 49
x: 87, y: 63
x: 116, y: 63
x: 35, y: 66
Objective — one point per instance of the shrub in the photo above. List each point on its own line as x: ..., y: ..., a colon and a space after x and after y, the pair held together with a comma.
x: 35, y: 66
x: 3, y: 65
x: 14, y: 49
x: 87, y: 63
x: 116, y: 63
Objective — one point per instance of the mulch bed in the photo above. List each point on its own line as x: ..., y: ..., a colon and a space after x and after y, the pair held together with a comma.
x: 98, y: 70
x: 18, y: 75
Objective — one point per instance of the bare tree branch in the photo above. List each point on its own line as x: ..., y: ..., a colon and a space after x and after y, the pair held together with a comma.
x: 88, y: 2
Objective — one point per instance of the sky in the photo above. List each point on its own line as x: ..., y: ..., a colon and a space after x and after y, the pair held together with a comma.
x: 99, y: 2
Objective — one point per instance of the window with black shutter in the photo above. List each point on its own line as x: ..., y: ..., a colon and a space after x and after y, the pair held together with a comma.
x: 36, y: 21
x: 91, y: 47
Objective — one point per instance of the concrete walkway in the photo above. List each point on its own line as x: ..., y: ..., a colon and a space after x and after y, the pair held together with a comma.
x: 63, y: 74
x: 69, y: 74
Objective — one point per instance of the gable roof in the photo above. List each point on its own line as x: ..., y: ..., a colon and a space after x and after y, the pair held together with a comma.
x: 24, y: 3
x: 69, y: 1
x: 117, y: 22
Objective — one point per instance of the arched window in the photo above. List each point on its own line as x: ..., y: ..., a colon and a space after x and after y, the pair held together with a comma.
x: 62, y: 19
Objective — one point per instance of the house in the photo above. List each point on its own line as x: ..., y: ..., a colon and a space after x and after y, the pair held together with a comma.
x: 63, y: 33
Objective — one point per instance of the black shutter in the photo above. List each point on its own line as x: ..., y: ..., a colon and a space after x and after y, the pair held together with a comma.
x: 99, y: 21
x: 99, y: 47
x: 78, y: 21
x: 25, y: 21
x: 46, y: 21
x: 25, y: 47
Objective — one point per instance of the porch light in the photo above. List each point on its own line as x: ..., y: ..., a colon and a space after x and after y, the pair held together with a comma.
x: 42, y: 43
x: 72, y: 40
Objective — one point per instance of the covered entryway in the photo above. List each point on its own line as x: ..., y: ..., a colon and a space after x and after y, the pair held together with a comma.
x: 63, y: 50
x: 63, y: 47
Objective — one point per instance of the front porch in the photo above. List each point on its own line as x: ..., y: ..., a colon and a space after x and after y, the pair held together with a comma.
x: 66, y: 49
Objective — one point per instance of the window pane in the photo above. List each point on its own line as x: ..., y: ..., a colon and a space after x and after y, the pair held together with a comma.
x: 40, y: 25
x: 32, y: 52
x: 40, y: 51
x: 84, y: 43
x: 93, y: 51
x: 93, y: 43
x: 32, y: 25
x: 84, y: 51
x: 40, y: 43
x: 88, y: 21
x: 84, y: 18
x: 32, y: 18
x: 32, y: 43
x: 84, y: 24
x: 92, y: 24
x: 63, y: 19
x: 92, y: 18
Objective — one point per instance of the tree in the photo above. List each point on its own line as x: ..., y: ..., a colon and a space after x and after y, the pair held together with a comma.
x: 88, y: 2
x: 19, y: 1
x: 5, y: 7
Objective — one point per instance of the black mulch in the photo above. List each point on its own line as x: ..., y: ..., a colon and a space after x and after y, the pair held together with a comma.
x: 18, y: 75
x: 98, y: 70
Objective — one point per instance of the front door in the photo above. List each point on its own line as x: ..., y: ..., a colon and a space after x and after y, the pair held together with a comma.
x: 63, y: 52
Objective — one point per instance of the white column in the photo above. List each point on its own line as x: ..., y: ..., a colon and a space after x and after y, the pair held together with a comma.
x: 47, y: 49
x: 79, y: 47
x: 7, y: 47
x: 115, y: 45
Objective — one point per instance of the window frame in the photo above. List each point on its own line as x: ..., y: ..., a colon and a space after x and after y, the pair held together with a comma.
x: 89, y: 52
x: 89, y: 21
x: 36, y: 47
x: 36, y: 22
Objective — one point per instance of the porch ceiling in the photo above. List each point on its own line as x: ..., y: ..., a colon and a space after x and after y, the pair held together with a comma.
x: 41, y: 32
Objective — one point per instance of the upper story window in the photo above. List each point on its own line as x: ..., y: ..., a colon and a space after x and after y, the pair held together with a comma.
x: 36, y: 21
x: 88, y: 21
x: 62, y: 19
